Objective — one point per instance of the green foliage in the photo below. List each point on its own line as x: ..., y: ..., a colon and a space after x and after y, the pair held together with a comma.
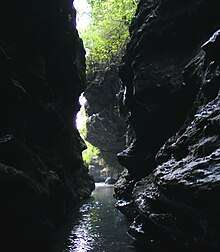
x: 91, y: 152
x: 108, y: 30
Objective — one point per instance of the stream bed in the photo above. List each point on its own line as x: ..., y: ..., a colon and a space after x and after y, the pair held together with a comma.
x: 99, y: 227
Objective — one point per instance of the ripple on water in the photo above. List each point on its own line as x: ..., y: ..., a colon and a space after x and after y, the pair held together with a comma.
x: 100, y: 227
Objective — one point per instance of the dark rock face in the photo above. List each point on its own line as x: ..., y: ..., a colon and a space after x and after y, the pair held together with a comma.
x: 41, y: 76
x: 164, y: 36
x: 170, y: 196
x: 106, y: 128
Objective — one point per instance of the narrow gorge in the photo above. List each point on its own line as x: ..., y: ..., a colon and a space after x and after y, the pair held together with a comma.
x: 153, y: 108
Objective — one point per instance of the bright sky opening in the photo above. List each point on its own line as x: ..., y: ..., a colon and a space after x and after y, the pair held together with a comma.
x: 83, y: 17
x: 81, y: 116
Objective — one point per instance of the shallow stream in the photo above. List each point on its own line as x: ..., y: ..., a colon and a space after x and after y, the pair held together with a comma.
x: 99, y: 227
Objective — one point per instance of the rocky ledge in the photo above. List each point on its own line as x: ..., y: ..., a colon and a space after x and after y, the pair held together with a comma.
x: 170, y: 189
x: 42, y: 176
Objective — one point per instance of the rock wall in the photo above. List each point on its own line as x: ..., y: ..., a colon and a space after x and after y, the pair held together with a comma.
x: 105, y: 127
x: 171, y: 86
x: 42, y: 65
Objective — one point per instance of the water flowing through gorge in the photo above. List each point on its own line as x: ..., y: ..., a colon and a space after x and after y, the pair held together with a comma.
x: 99, y: 227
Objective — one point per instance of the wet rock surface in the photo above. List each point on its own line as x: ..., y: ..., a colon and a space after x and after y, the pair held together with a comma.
x: 174, y: 110
x: 42, y: 176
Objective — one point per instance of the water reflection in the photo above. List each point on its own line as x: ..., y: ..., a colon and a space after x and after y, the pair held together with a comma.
x: 100, y: 227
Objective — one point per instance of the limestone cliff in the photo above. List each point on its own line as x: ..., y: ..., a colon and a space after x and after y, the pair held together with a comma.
x: 171, y: 84
x: 42, y: 68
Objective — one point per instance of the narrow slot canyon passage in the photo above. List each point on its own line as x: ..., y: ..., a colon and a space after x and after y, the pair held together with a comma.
x: 138, y: 96
x: 109, y: 126
x: 99, y: 226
